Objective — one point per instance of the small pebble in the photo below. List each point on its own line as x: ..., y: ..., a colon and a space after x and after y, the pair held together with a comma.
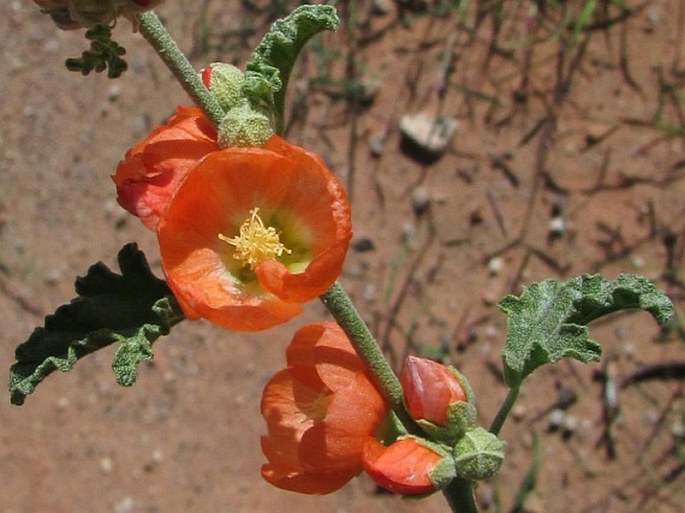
x: 431, y: 134
x: 495, y: 265
x: 113, y: 93
x: 369, y: 293
x: 420, y: 201
x: 556, y: 227
x: 363, y: 244
x: 555, y: 419
x: 518, y: 412
x: 377, y: 144
x: 125, y: 505
x: 381, y: 7
x: 106, y: 464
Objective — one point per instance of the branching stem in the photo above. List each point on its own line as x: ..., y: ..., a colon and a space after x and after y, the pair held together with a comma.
x: 459, y: 495
x: 504, y: 410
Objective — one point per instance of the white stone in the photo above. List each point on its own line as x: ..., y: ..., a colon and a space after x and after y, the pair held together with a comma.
x: 430, y: 133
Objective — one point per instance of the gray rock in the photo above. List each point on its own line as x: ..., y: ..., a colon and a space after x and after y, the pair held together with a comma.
x: 432, y: 134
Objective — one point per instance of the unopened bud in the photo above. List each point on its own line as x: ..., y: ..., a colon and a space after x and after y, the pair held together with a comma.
x: 408, y: 466
x: 244, y: 126
x: 437, y: 397
x: 225, y: 82
x: 478, y: 454
x: 429, y: 388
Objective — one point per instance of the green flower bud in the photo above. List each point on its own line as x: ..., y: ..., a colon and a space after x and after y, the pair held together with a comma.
x: 478, y: 454
x: 244, y: 126
x: 225, y: 82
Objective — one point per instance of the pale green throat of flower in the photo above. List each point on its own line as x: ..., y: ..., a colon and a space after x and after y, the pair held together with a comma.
x: 255, y: 242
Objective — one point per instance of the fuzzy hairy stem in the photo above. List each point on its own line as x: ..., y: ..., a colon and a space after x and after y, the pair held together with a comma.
x: 157, y: 35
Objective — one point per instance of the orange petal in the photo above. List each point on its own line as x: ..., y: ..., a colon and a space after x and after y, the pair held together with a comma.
x: 318, y: 201
x: 336, y: 444
x: 297, y: 480
x: 153, y: 168
x: 287, y: 406
x: 324, y: 350
x: 403, y: 467
x: 215, y: 198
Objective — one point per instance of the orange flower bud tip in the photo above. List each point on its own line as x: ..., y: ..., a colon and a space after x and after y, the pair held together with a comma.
x: 256, y: 242
x: 429, y: 389
x: 205, y: 75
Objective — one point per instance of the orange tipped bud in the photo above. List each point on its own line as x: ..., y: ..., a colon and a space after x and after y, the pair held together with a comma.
x: 429, y: 389
x: 407, y: 466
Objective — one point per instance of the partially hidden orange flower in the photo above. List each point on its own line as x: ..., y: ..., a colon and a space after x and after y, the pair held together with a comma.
x: 319, y: 411
x: 253, y: 232
x: 406, y: 466
x: 153, y: 169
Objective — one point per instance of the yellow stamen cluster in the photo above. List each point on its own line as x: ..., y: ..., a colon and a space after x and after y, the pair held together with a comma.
x: 255, y: 242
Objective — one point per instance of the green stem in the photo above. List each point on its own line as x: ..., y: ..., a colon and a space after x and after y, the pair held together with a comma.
x: 459, y: 495
x: 157, y: 35
x: 340, y: 305
x: 504, y: 410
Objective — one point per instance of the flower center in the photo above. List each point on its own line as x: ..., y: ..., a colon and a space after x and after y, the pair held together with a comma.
x: 315, y: 410
x: 255, y: 242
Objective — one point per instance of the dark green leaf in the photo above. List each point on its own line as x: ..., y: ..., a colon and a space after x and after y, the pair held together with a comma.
x: 134, y: 308
x: 548, y: 320
x: 104, y: 54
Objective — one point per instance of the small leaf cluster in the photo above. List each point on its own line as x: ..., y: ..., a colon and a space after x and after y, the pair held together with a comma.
x: 104, y: 54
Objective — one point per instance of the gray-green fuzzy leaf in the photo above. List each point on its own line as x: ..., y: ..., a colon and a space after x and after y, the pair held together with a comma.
x: 548, y: 320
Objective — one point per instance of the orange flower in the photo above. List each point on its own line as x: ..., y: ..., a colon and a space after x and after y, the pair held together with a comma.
x: 153, y: 169
x: 406, y: 466
x: 253, y: 232
x: 319, y: 412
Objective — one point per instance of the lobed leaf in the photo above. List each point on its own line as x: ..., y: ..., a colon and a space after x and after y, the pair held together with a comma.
x: 134, y: 308
x: 548, y: 320
x: 268, y: 70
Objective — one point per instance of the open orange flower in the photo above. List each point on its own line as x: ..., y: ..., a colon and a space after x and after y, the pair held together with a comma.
x: 253, y: 232
x: 319, y: 411
x: 153, y: 169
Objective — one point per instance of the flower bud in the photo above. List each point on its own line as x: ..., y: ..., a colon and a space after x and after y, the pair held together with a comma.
x: 244, y: 126
x: 225, y: 82
x: 408, y: 466
x: 438, y: 398
x: 478, y: 454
